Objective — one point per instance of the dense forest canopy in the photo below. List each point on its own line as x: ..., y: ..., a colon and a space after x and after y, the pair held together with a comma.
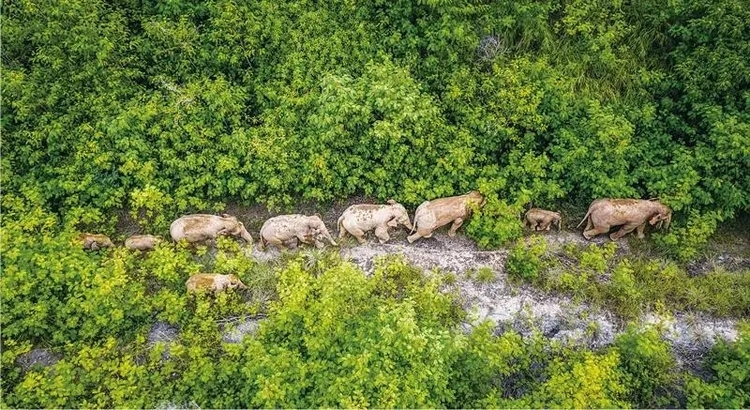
x: 159, y: 108
x: 162, y: 107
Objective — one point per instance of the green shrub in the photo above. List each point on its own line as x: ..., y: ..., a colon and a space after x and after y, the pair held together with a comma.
x: 496, y: 224
x: 729, y: 383
x: 647, y: 366
x: 525, y: 260
x: 684, y: 243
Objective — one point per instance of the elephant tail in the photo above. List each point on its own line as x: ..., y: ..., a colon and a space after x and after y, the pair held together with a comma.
x: 584, y: 218
x: 261, y: 242
x: 340, y: 227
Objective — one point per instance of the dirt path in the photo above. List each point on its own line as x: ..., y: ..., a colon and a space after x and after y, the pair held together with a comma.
x: 519, y: 307
x: 526, y: 309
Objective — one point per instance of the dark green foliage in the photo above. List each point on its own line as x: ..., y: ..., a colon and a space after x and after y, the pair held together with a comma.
x: 159, y: 109
x: 162, y: 108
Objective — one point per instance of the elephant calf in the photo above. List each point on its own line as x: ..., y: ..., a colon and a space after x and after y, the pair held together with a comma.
x: 541, y: 219
x: 142, y: 242
x: 358, y: 219
x: 284, y: 231
x: 431, y: 215
x: 633, y: 214
x: 95, y: 241
x: 213, y: 282
x: 200, y: 227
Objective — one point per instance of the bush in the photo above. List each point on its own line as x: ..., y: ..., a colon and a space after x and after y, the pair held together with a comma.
x: 647, y: 366
x: 525, y: 260
x: 496, y: 224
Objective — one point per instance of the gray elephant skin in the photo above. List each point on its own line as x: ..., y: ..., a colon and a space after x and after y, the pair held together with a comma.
x: 284, y: 231
x: 358, y: 219
x: 431, y: 215
x: 541, y: 219
x: 201, y: 227
x: 142, y: 242
x: 632, y: 214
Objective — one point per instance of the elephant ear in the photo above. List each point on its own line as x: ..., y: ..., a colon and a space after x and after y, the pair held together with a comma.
x: 390, y: 202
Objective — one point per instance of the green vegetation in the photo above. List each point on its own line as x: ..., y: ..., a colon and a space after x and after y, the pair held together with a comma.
x: 157, y: 109
x: 160, y: 109
x: 629, y: 285
x: 332, y: 338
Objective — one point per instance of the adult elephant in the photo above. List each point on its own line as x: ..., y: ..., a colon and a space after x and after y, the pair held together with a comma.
x: 632, y: 214
x: 358, y: 219
x: 431, y: 215
x: 201, y: 227
x: 284, y: 231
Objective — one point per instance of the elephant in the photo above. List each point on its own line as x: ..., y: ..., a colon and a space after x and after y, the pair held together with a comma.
x: 632, y: 213
x: 95, y: 241
x: 357, y: 219
x: 213, y: 282
x: 541, y: 219
x: 142, y: 242
x: 284, y: 231
x: 200, y: 227
x: 431, y: 215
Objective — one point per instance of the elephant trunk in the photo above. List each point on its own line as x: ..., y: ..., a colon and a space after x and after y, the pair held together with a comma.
x: 246, y: 236
x: 330, y: 239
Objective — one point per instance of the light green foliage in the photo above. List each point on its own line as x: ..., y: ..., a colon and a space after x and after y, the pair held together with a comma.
x: 485, y: 275
x: 683, y: 243
x: 632, y: 286
x: 647, y: 365
x: 526, y: 259
x: 496, y: 224
x: 729, y: 383
x: 623, y: 292
x: 591, y: 381
x: 597, y: 258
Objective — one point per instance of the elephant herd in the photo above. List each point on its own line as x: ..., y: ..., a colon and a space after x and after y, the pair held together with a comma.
x: 289, y: 231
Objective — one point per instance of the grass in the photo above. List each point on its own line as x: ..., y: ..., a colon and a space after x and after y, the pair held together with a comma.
x: 635, y: 283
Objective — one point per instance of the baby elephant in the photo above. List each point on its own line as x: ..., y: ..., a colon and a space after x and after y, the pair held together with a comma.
x: 213, y: 282
x: 200, y: 227
x: 541, y: 219
x: 95, y: 241
x: 284, y: 231
x: 358, y: 219
x: 142, y: 242
x: 431, y: 215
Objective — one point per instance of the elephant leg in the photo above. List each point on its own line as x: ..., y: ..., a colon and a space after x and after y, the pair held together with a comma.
x: 291, y: 243
x: 546, y: 227
x: 382, y: 233
x: 641, y: 228
x: 421, y: 233
x: 359, y: 234
x: 278, y: 243
x: 623, y: 231
x: 456, y: 224
x: 590, y: 233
